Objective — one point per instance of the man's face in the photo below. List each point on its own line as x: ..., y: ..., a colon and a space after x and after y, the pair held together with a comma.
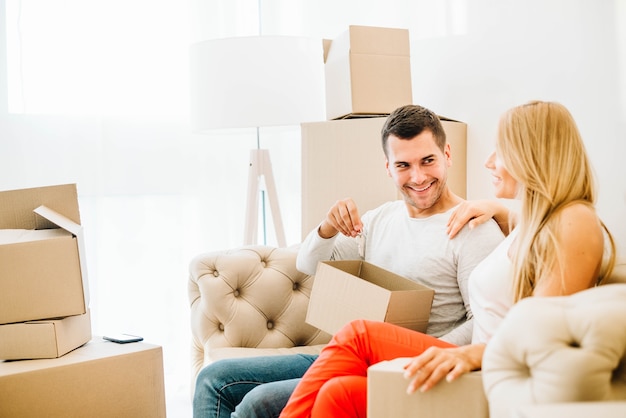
x: 420, y: 170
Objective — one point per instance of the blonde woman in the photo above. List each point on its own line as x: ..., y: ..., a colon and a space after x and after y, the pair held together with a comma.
x: 556, y: 245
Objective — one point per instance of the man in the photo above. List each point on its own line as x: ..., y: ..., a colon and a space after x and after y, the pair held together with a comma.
x: 408, y: 237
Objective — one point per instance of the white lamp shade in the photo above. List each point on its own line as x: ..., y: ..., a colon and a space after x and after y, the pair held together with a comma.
x: 256, y: 81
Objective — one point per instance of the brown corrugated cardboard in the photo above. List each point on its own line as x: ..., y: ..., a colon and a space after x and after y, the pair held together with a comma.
x: 352, y: 289
x: 368, y: 72
x: 100, y: 379
x: 16, y: 206
x: 344, y: 158
x: 47, y: 276
x: 44, y: 339
x: 386, y: 394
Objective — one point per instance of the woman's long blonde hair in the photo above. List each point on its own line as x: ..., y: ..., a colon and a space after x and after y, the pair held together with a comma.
x: 542, y: 149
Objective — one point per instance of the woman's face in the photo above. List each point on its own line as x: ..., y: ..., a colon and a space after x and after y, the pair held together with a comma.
x: 505, y: 185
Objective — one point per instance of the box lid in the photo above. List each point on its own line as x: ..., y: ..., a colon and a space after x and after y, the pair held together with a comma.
x: 17, y: 206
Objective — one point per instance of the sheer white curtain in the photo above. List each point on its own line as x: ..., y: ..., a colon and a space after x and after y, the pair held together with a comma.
x: 97, y: 94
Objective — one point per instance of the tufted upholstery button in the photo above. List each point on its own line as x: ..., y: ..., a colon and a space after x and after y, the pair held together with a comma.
x: 264, y: 263
x: 215, y: 273
x: 296, y: 285
x: 221, y: 326
x: 270, y: 325
x: 236, y: 293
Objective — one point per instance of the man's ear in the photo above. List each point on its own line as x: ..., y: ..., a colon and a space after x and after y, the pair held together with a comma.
x: 387, y: 167
x: 448, y: 153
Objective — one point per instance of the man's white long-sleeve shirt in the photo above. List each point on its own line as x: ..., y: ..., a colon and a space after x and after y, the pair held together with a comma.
x: 418, y: 249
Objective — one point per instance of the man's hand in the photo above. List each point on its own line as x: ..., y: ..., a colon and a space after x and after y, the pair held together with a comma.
x: 342, y: 217
x: 427, y: 369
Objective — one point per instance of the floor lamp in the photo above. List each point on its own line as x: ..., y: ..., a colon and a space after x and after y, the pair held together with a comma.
x: 252, y: 82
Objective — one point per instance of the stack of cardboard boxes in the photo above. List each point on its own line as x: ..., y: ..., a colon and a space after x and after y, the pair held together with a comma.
x: 368, y: 75
x: 44, y: 296
x: 45, y: 321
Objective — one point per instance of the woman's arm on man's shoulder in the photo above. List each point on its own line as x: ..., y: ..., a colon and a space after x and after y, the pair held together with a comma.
x: 476, y: 212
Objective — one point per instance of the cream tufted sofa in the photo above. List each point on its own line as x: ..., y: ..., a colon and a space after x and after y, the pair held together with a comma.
x: 557, y: 350
x: 249, y: 301
x: 549, y: 353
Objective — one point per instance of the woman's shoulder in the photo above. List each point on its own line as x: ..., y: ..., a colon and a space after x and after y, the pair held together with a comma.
x: 578, y: 211
x: 579, y: 221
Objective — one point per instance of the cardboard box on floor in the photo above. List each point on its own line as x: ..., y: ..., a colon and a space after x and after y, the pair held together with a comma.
x: 368, y: 71
x: 344, y: 158
x: 353, y: 289
x: 100, y: 379
x: 47, y: 338
x: 44, y: 272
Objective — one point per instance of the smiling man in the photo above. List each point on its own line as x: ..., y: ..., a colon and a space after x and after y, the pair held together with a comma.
x: 408, y: 237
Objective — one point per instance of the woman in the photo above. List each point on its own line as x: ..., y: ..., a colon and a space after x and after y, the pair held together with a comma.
x: 556, y: 246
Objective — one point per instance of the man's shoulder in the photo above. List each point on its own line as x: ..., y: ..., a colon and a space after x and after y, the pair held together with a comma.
x: 489, y: 229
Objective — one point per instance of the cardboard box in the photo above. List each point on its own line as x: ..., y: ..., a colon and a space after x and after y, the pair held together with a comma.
x: 368, y: 72
x: 386, y: 394
x: 100, y: 379
x: 353, y: 289
x: 44, y: 272
x: 339, y: 157
x: 49, y: 338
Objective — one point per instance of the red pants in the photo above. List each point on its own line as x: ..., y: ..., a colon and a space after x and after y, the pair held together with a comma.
x: 336, y: 384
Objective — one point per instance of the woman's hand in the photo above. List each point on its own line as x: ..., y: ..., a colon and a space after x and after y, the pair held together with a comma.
x: 427, y: 369
x: 476, y: 212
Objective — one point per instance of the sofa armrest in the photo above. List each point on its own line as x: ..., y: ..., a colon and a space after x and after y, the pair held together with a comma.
x: 387, y: 397
x: 558, y: 350
x: 248, y: 297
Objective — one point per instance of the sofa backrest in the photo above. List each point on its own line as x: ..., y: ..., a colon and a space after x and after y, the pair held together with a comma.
x: 619, y: 273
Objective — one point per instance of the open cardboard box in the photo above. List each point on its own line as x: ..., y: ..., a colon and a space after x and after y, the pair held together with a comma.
x: 44, y: 270
x: 346, y: 290
x: 368, y: 72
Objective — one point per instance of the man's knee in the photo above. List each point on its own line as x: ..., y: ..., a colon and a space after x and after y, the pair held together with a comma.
x: 266, y: 400
x: 215, y: 374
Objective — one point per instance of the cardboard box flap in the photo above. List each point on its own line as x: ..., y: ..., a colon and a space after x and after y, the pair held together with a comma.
x: 410, y: 309
x: 16, y: 206
x: 59, y: 220
x: 387, y: 279
x: 76, y: 229
x: 336, y: 310
x: 379, y: 41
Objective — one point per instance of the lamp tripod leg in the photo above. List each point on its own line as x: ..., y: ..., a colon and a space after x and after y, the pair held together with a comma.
x: 260, y: 165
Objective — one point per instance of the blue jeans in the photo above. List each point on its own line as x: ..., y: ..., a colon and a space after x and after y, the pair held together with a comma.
x: 251, y: 387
